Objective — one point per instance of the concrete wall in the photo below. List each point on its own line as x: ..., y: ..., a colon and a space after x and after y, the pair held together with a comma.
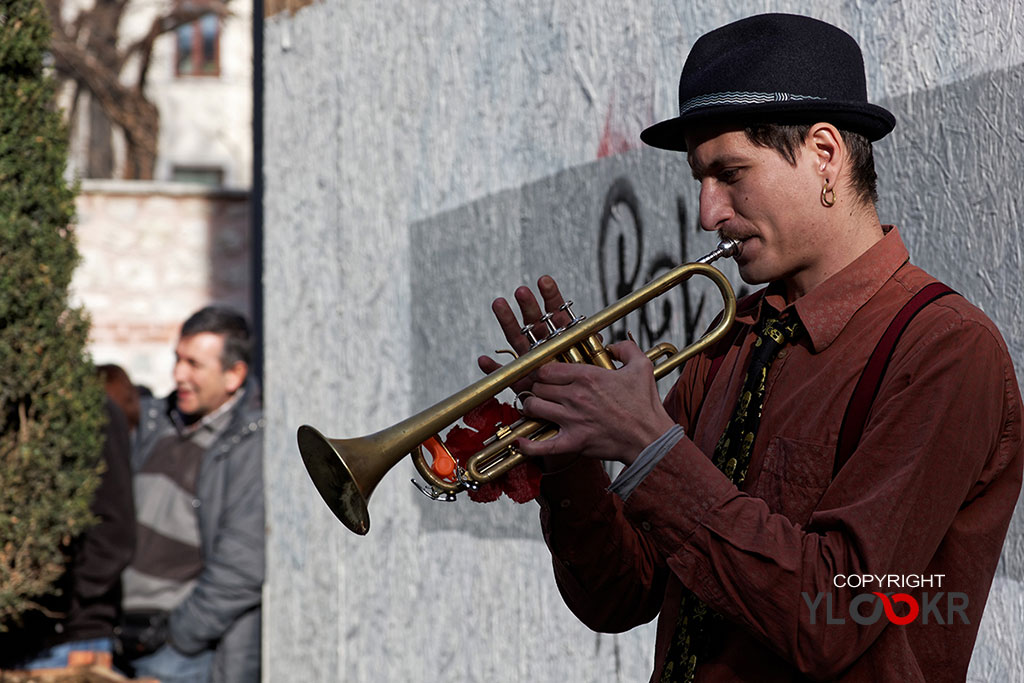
x: 152, y: 254
x: 423, y: 158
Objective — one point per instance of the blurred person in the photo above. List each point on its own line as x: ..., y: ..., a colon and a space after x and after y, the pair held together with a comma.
x: 77, y: 625
x: 120, y: 389
x: 192, y: 594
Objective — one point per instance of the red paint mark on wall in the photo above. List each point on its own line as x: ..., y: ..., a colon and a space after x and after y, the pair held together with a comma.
x: 613, y: 139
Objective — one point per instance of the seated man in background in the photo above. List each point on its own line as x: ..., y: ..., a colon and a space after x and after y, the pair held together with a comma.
x: 192, y: 593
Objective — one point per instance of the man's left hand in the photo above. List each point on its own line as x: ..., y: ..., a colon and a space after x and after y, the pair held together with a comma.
x: 604, y: 414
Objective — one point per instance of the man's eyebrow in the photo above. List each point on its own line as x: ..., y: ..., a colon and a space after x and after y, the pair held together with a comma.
x: 696, y: 170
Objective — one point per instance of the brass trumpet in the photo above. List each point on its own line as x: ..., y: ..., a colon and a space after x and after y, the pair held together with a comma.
x: 346, y: 471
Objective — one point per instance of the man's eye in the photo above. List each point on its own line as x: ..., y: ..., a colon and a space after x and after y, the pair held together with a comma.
x: 729, y: 175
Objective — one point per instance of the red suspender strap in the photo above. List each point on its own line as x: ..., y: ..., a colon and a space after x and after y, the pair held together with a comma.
x: 871, y: 378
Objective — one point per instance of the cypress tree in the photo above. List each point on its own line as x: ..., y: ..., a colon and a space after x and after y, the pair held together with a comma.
x: 51, y: 410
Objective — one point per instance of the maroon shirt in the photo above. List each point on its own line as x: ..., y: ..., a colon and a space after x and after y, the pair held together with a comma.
x: 929, y: 491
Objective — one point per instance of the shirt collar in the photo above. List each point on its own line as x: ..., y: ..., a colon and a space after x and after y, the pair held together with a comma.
x: 213, y: 422
x: 826, y: 309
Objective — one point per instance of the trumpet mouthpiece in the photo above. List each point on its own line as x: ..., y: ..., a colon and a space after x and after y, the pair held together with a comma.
x: 730, y: 247
x: 727, y: 248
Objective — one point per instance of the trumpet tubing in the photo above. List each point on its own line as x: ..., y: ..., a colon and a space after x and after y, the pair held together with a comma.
x: 346, y: 471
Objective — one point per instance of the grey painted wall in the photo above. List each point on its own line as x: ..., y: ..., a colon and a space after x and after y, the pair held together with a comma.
x: 423, y: 158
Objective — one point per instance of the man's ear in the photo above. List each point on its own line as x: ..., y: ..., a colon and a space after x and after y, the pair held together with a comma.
x: 826, y: 144
x: 235, y: 376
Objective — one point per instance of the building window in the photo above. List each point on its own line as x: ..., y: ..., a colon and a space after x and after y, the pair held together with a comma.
x: 202, y: 175
x: 199, y: 47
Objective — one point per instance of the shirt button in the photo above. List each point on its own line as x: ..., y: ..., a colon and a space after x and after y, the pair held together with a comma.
x: 646, y: 526
x: 782, y: 353
x: 565, y: 503
x: 195, y: 502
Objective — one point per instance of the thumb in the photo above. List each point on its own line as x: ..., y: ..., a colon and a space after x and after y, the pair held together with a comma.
x: 487, y: 364
x: 537, y: 449
x: 626, y: 352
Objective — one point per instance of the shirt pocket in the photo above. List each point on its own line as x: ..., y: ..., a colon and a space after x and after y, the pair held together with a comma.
x: 794, y: 477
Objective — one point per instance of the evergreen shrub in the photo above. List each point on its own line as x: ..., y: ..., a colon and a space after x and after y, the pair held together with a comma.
x: 51, y: 403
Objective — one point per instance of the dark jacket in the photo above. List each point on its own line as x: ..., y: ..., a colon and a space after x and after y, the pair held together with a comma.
x: 90, y: 588
x: 223, y: 610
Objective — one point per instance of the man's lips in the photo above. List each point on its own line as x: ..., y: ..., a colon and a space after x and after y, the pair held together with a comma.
x: 746, y: 243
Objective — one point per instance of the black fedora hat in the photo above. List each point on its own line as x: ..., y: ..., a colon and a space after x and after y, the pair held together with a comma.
x: 773, y: 68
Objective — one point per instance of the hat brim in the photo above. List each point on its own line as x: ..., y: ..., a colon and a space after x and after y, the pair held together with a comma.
x: 870, y: 120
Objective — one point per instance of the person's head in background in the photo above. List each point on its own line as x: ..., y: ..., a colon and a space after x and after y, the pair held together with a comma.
x: 121, y: 391
x: 211, y: 360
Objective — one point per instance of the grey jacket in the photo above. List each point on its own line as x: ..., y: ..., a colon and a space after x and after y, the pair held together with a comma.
x: 223, y: 610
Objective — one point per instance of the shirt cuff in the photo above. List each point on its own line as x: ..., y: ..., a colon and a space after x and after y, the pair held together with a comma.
x: 648, y: 459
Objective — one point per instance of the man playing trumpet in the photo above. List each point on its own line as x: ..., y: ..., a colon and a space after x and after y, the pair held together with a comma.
x: 752, y: 495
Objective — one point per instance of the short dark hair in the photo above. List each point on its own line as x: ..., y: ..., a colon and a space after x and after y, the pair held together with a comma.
x: 227, y: 322
x: 785, y: 138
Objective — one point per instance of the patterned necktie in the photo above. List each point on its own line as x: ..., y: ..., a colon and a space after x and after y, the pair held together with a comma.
x: 697, y: 622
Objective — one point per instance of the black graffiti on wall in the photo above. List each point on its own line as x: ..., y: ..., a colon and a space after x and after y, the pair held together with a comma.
x: 623, y: 267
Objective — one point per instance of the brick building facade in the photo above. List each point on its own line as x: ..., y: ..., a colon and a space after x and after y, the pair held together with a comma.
x: 153, y: 253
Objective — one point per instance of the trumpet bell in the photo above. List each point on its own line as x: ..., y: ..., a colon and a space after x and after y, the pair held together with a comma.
x: 325, y: 460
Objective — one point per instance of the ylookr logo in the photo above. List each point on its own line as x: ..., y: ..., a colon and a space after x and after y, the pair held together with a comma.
x: 935, y: 608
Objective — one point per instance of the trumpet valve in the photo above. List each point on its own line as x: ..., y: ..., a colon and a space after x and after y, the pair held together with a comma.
x: 567, y: 307
x: 527, y: 331
x: 552, y: 328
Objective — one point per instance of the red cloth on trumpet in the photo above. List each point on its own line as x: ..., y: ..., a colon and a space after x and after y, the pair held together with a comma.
x: 522, y: 483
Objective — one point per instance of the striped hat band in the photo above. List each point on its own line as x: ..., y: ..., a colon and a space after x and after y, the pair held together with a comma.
x: 740, y: 98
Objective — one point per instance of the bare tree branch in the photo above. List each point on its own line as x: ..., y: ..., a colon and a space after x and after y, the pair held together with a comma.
x: 85, y: 52
x: 126, y: 107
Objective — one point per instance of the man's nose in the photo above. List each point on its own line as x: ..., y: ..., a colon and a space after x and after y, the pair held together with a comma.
x: 715, y: 206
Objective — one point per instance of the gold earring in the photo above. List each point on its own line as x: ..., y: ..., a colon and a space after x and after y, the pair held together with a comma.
x: 828, y: 195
